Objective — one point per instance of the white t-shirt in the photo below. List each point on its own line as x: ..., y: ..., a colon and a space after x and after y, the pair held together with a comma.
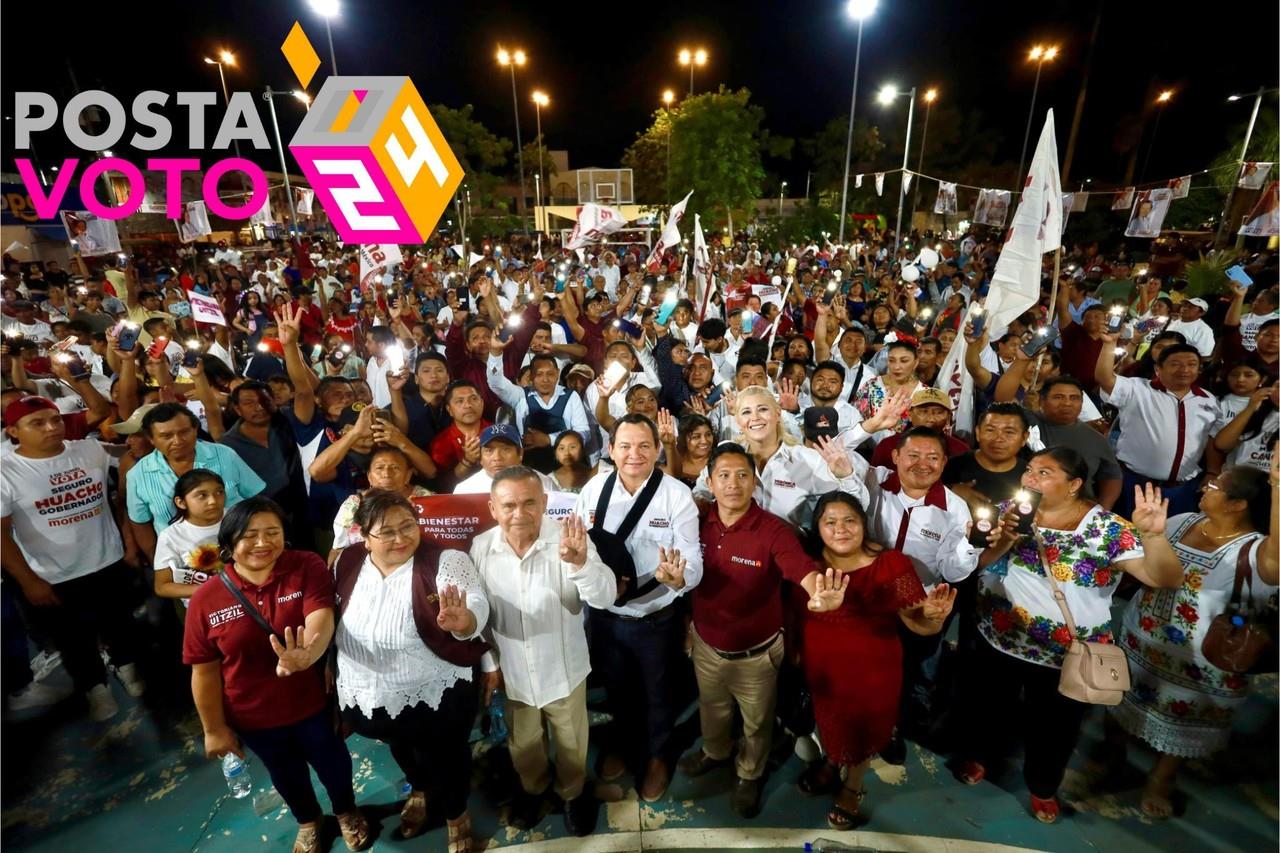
x: 59, y: 510
x: 1255, y: 452
x: 376, y: 375
x: 190, y: 551
x: 1249, y: 324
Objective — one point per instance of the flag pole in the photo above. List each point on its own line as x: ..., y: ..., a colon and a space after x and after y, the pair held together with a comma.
x: 1053, y: 301
x: 773, y: 333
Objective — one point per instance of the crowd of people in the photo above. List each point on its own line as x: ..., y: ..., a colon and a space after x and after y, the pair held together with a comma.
x: 775, y: 515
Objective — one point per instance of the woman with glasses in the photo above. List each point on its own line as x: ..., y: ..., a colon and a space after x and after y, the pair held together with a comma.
x: 1180, y: 703
x: 408, y: 616
x: 252, y: 639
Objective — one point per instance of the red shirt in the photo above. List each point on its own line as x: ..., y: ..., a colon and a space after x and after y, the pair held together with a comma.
x: 447, y: 447
x: 738, y: 603
x: 1080, y: 356
x: 883, y: 454
x: 218, y: 629
x: 344, y: 327
x: 311, y: 323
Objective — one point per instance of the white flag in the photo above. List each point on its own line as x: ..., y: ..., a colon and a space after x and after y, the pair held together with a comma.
x: 946, y: 200
x: 1123, y: 199
x: 1253, y: 175
x: 670, y: 234
x: 457, y: 250
x: 375, y: 260
x: 538, y: 255
x: 204, y: 309
x: 475, y: 259
x: 1078, y: 201
x: 1181, y: 186
x: 954, y: 380
x: 701, y: 268
x: 906, y: 182
x: 1264, y: 219
x: 595, y: 221
x: 879, y: 183
x: 857, y: 182
x: 262, y: 216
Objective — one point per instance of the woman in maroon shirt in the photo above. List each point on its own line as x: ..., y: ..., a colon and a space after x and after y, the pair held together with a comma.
x: 851, y: 653
x: 262, y: 690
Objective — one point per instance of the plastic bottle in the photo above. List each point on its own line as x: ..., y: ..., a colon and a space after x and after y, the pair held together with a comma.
x: 404, y: 788
x: 236, y: 772
x: 829, y: 845
x: 497, y: 718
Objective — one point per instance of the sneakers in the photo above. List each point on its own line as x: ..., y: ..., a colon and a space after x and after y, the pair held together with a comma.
x: 133, y: 683
x: 102, y: 705
x: 36, y: 695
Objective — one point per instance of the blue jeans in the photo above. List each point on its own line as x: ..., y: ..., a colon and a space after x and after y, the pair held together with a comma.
x: 1182, y: 498
x: 287, y: 750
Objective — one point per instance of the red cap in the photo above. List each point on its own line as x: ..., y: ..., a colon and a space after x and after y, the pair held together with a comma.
x: 23, y: 406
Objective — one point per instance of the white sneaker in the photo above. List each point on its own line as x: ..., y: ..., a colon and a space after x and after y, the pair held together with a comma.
x: 36, y: 695
x: 102, y: 705
x: 134, y: 684
x: 45, y: 663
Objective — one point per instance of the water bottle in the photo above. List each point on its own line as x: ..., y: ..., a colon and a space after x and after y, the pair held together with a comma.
x: 236, y: 773
x: 404, y: 788
x: 828, y: 845
x: 497, y: 718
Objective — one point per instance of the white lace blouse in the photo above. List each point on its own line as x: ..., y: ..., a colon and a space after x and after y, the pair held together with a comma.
x: 382, y: 661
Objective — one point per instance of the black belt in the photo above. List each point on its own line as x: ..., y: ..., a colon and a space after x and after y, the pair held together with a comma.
x: 656, y: 616
x: 755, y: 651
x: 1163, y: 484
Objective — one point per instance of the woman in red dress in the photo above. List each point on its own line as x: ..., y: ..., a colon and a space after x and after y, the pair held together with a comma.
x: 851, y: 654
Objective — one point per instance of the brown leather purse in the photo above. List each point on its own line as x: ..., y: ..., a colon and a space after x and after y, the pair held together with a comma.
x: 1238, y: 638
x: 1096, y: 673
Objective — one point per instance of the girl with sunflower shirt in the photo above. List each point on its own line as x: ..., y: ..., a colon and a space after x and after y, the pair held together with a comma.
x: 187, y: 552
x: 1024, y: 637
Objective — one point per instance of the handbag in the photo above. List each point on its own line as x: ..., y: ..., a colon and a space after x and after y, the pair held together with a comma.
x: 1238, y: 639
x: 254, y: 613
x: 1095, y: 673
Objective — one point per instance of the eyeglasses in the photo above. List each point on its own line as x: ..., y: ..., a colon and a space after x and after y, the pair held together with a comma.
x: 1210, y: 485
x: 405, y: 532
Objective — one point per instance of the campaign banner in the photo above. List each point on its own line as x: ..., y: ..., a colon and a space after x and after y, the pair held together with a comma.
x: 1123, y: 199
x: 453, y: 521
x: 1264, y: 219
x: 1181, y: 187
x: 304, y: 199
x: 204, y: 309
x: 1253, y: 175
x: 946, y: 201
x: 375, y: 260
x: 595, y: 222
x: 1149, y: 211
x: 90, y: 235
x: 992, y: 207
x: 194, y: 223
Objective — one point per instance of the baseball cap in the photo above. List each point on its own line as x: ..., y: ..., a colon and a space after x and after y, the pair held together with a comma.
x: 500, y: 432
x: 820, y: 421
x: 134, y: 423
x: 23, y: 406
x: 1199, y: 303
x: 931, y: 397
x: 583, y: 370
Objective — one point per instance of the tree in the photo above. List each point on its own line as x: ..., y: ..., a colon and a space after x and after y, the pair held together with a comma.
x: 647, y: 160
x: 827, y: 148
x: 531, y: 153
x: 482, y: 153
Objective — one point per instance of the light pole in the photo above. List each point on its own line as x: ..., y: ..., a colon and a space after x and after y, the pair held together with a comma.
x: 859, y: 10
x: 1224, y: 226
x: 887, y: 96
x: 930, y: 96
x: 511, y: 60
x: 228, y: 58
x: 268, y: 96
x: 328, y: 9
x: 1039, y: 55
x: 692, y: 58
x: 1161, y: 100
x: 668, y: 98
x: 781, y: 192
x: 540, y: 100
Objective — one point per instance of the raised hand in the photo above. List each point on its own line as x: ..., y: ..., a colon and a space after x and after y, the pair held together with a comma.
x: 289, y: 323
x: 454, y: 615
x: 364, y: 422
x: 828, y: 592
x: 938, y: 603
x: 698, y: 405
x: 666, y: 427
x: 837, y: 458
x: 671, y: 568
x: 294, y: 654
x: 385, y: 432
x: 1150, y: 511
x: 788, y: 395
x: 397, y: 381
x: 496, y: 343
x: 573, y: 541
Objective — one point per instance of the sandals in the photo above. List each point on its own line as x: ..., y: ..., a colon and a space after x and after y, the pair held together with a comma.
x: 355, y: 830
x: 413, y: 817
x: 971, y: 773
x: 840, y: 817
x: 820, y: 778
x: 308, y: 839
x: 1157, y: 802
x: 460, y: 834
x: 1045, y: 811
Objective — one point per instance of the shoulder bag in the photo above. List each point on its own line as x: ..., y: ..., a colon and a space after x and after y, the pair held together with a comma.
x: 1094, y: 673
x: 1239, y: 639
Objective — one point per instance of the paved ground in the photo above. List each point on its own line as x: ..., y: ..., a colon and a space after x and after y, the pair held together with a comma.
x: 140, y: 784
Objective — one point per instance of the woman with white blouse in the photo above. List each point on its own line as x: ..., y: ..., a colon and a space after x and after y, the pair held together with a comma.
x: 406, y: 643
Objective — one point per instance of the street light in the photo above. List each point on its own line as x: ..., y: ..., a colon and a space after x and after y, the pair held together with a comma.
x: 930, y: 96
x: 858, y: 10
x: 1039, y: 55
x: 668, y: 98
x: 887, y: 96
x: 781, y: 193
x: 328, y: 9
x: 540, y: 100
x: 302, y: 96
x: 692, y: 58
x: 1161, y: 100
x: 511, y: 60
x: 269, y: 97
x: 1224, y: 225
x: 226, y: 57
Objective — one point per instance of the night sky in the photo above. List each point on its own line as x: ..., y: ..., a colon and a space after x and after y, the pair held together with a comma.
x: 605, y: 70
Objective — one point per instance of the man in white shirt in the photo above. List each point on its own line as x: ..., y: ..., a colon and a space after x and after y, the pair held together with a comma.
x: 538, y: 576
x: 1165, y: 425
x: 826, y: 388
x: 1262, y: 310
x: 25, y: 324
x: 1192, y: 326
x: 500, y: 448
x: 609, y: 271
x: 60, y: 544
x: 545, y: 409
x: 639, y: 642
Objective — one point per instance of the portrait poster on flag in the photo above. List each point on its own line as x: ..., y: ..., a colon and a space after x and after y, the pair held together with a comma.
x: 1180, y: 187
x: 1253, y: 175
x: 194, y: 222
x: 1264, y: 219
x: 304, y: 198
x: 945, y: 203
x: 1123, y: 199
x: 1149, y: 211
x: 992, y: 207
x: 89, y: 235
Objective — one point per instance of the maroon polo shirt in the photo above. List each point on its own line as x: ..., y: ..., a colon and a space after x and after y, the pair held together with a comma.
x: 738, y: 603
x: 218, y: 629
x: 1080, y: 356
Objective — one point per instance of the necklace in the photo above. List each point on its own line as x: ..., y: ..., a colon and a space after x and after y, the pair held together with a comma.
x: 1204, y: 531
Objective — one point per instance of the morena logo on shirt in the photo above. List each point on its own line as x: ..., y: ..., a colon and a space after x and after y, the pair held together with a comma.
x: 784, y: 484
x: 929, y: 534
x: 745, y: 561
x: 659, y: 522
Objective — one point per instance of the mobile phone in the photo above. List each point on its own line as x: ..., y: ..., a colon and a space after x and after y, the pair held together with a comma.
x: 748, y: 320
x: 75, y: 364
x: 978, y: 317
x: 614, y: 374
x: 668, y: 307
x: 191, y: 354
x: 831, y: 291
x: 156, y: 350
x: 1043, y: 336
x: 1237, y: 274
x: 1115, y: 320
x: 984, y: 521
x: 395, y: 357
x: 509, y: 328
x: 1025, y: 503
x: 127, y: 336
